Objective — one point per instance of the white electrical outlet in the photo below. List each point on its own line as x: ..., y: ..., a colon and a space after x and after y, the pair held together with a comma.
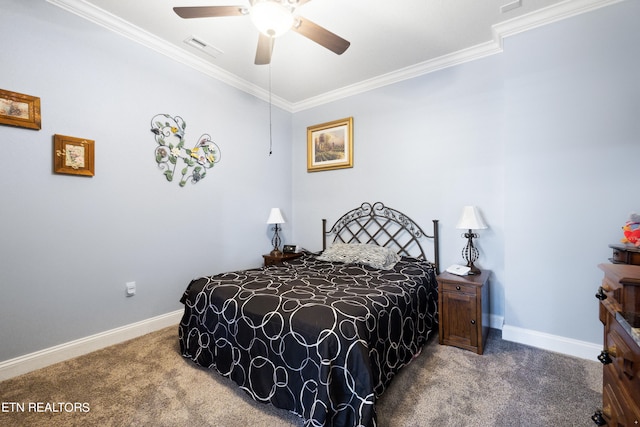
x: 131, y: 289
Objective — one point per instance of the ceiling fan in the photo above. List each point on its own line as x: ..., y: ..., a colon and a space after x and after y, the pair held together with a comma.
x: 272, y: 18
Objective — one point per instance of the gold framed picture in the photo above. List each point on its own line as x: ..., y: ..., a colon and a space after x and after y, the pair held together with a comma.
x: 73, y: 156
x: 17, y: 109
x: 330, y: 145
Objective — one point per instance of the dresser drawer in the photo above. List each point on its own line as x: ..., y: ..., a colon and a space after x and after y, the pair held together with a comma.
x: 618, y: 407
x: 621, y: 287
x: 625, y: 357
x: 613, y: 291
x: 625, y: 254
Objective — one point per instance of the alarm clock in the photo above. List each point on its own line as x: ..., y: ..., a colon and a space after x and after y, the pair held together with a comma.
x: 289, y: 249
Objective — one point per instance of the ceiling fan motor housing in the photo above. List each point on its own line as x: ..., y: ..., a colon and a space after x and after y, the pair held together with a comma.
x: 272, y: 17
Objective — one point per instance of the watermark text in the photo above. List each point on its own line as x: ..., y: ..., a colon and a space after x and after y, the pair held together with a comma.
x: 50, y: 407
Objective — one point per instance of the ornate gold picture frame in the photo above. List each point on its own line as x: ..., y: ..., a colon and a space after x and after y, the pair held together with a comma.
x: 73, y: 156
x: 330, y: 145
x: 17, y: 109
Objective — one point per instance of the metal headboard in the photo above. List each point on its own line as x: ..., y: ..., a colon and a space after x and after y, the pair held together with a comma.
x: 383, y: 226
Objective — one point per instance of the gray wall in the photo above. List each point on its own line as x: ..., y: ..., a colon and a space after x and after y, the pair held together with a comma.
x: 541, y: 137
x: 68, y: 244
x: 571, y: 135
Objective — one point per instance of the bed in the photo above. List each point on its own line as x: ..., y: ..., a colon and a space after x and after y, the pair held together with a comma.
x: 324, y: 334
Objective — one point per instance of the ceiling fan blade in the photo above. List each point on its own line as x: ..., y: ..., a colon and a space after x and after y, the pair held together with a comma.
x: 209, y: 11
x: 320, y: 35
x: 265, y: 47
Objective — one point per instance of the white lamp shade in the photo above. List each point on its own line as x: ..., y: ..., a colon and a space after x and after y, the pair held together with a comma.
x: 471, y: 219
x: 271, y: 18
x: 275, y: 217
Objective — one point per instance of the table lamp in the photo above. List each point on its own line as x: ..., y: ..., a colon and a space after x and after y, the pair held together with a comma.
x: 471, y: 220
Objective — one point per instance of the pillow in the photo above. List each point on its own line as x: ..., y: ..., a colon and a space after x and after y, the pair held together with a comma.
x: 361, y: 253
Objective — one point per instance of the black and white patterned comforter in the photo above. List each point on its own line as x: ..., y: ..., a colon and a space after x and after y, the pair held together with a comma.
x: 320, y: 339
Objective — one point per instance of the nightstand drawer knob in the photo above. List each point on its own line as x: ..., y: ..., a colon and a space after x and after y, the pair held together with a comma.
x: 457, y: 288
x: 473, y: 322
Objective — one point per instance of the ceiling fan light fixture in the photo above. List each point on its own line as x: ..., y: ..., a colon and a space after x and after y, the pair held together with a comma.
x: 271, y: 18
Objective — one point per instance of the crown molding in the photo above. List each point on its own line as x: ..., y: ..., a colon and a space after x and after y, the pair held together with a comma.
x: 445, y: 61
x: 118, y: 25
x: 547, y: 15
x: 500, y: 31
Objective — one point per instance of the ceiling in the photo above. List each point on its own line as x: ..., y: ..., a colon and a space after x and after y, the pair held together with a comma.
x: 390, y: 40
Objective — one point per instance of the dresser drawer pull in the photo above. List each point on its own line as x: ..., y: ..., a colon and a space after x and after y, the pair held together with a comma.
x: 599, y: 419
x: 604, y: 357
x: 473, y: 322
x: 457, y: 288
x: 601, y: 295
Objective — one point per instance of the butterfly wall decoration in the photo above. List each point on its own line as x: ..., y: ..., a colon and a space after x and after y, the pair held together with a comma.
x: 190, y: 164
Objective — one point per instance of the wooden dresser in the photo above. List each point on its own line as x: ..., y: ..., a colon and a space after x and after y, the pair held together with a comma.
x: 619, y: 310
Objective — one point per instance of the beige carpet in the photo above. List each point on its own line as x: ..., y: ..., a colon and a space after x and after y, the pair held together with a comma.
x: 145, y: 382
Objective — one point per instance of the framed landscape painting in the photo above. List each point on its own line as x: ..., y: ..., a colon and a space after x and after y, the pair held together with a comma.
x: 330, y: 145
x: 17, y: 109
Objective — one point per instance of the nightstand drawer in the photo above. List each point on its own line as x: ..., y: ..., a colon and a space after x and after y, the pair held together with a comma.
x: 275, y: 260
x: 459, y: 287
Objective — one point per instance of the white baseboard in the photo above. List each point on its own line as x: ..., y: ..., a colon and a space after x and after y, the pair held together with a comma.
x: 40, y: 359
x: 555, y: 343
x: 495, y: 321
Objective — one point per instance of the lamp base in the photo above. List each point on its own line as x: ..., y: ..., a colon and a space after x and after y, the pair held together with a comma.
x: 275, y: 253
x: 474, y: 270
x: 470, y: 253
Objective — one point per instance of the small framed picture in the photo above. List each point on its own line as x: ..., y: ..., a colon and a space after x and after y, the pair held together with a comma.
x: 17, y: 109
x: 330, y: 145
x: 73, y: 156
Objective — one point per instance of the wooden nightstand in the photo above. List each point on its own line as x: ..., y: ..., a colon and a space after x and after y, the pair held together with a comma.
x: 273, y: 260
x: 463, y: 310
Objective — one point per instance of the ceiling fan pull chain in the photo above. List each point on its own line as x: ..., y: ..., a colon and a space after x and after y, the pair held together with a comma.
x: 270, y: 122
